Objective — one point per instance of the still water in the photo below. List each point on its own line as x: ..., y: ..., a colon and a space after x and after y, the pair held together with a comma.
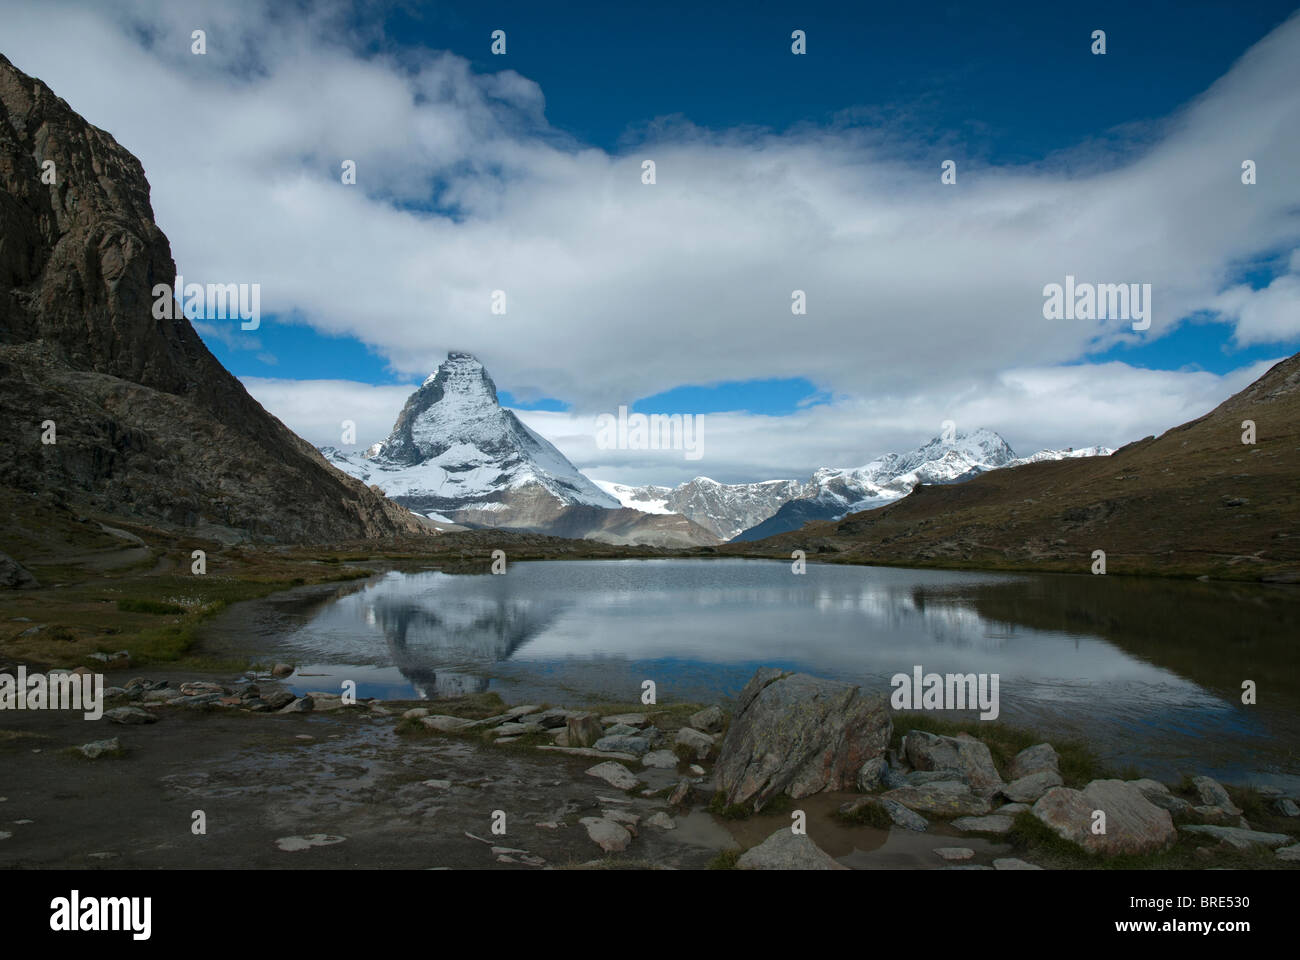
x: 1149, y: 672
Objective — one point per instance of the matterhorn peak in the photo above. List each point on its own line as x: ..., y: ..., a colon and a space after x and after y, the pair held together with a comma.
x: 454, y: 446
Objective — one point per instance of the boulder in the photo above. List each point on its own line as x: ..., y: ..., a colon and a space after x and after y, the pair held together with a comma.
x: 1286, y: 807
x: 929, y: 751
x: 621, y: 744
x: 584, y: 730
x: 1013, y: 863
x: 1134, y: 825
x: 300, y: 705
x: 1238, y: 838
x: 1035, y: 759
x: 1029, y: 788
x: 696, y: 742
x: 710, y: 720
x: 785, y: 850
x: 1212, y: 794
x: 947, y: 798
x: 1291, y: 853
x: 872, y: 775
x: 799, y: 735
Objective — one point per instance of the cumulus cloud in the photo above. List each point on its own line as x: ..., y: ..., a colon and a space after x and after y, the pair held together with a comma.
x: 924, y: 300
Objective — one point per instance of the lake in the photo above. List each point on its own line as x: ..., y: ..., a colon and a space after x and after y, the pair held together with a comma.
x: 1149, y: 672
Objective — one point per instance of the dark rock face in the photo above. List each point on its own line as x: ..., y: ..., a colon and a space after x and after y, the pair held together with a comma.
x: 799, y: 735
x: 148, y: 423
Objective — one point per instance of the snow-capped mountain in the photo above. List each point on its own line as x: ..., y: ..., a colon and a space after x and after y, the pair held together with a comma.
x: 751, y: 511
x: 457, y: 456
x: 454, y: 447
x: 725, y: 509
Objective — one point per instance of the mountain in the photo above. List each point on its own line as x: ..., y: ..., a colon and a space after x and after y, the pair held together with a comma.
x: 144, y: 422
x: 457, y: 456
x: 724, y: 509
x: 751, y: 511
x: 1195, y: 500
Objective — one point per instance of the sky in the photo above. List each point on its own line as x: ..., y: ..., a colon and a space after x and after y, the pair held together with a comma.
x: 775, y: 172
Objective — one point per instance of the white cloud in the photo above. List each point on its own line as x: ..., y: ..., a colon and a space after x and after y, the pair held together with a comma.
x: 924, y: 300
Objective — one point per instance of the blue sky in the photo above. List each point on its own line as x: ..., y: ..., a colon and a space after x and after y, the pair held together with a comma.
x: 775, y: 173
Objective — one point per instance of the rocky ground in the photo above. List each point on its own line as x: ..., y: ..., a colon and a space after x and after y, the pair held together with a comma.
x: 315, y: 781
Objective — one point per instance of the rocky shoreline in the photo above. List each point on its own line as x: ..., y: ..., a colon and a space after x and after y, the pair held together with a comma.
x: 791, y: 740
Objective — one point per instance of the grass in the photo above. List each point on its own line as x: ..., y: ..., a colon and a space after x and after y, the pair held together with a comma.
x: 870, y: 814
x: 726, y: 860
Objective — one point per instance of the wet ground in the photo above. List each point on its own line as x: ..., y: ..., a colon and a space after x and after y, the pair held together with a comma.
x: 278, y: 791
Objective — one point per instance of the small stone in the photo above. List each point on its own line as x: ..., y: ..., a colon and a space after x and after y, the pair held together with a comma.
x: 98, y: 748
x: 415, y: 713
x: 294, y: 844
x: 608, y: 835
x: 1286, y: 807
x: 1013, y: 863
x: 662, y: 821
x: 437, y: 784
x: 660, y: 759
x: 955, y: 853
x: 300, y: 705
x: 785, y: 850
x: 989, y: 824
x: 1291, y: 853
x: 130, y: 715
x: 680, y: 792
x: 281, y: 670
x: 615, y: 774
x: 443, y: 723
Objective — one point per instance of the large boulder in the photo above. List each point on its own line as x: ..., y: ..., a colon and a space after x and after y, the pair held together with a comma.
x: 962, y: 753
x: 1134, y: 825
x: 785, y: 850
x: 799, y: 735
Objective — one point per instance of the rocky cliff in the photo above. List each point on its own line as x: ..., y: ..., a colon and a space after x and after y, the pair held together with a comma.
x: 146, y: 422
